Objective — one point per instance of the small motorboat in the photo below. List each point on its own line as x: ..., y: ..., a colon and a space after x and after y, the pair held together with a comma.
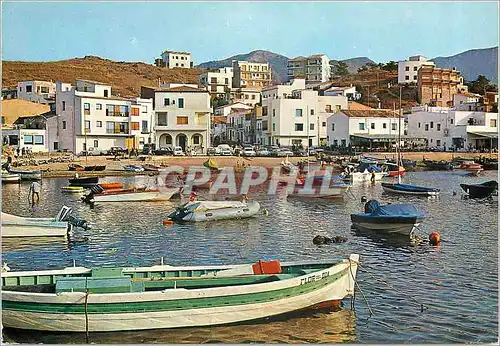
x: 401, y: 219
x: 407, y: 189
x: 100, y: 195
x: 73, y: 189
x: 10, y: 178
x: 86, y: 181
x: 152, y: 168
x: 133, y: 168
x: 393, y: 170
x: 18, y: 226
x: 165, y: 296
x: 95, y: 168
x: 75, y: 167
x: 214, y: 210
x: 483, y: 190
x: 438, y: 165
x: 366, y: 176
x: 27, y: 174
x: 314, y: 186
x: 470, y: 167
x: 111, y: 186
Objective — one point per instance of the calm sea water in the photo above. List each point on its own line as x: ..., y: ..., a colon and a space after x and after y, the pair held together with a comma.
x: 456, y: 282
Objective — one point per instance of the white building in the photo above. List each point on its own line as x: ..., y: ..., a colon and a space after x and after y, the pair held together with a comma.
x: 363, y: 127
x: 348, y: 91
x: 315, y: 68
x: 36, y: 91
x: 292, y: 114
x: 218, y: 131
x: 170, y: 59
x: 34, y: 139
x: 247, y: 96
x: 239, y: 125
x: 468, y: 102
x: 182, y: 116
x: 225, y: 110
x: 408, y: 69
x: 218, y: 82
x: 88, y: 116
x: 447, y: 128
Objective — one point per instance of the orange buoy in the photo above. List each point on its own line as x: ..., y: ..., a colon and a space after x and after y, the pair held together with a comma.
x: 434, y: 238
x: 167, y: 222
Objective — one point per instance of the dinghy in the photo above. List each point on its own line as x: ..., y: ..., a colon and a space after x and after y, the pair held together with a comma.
x: 366, y: 176
x: 482, y: 190
x: 79, y: 299
x: 313, y: 186
x: 85, y: 182
x: 27, y: 174
x: 401, y: 219
x: 10, y: 178
x: 75, y: 167
x: 407, y: 189
x: 214, y: 210
x: 18, y: 226
x: 99, y: 195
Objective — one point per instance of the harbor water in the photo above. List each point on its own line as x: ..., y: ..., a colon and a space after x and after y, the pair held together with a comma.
x: 417, y: 293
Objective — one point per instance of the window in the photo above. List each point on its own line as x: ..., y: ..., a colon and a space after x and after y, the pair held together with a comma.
x: 419, y: 125
x: 86, y: 108
x: 44, y: 90
x: 56, y: 145
x: 105, y: 93
x: 134, y: 111
x: 176, y: 64
x: 328, y: 108
x: 196, y: 140
x: 246, y: 97
x: 110, y: 126
x: 182, y: 120
x: 311, y: 127
x: 362, y: 126
x: 407, y: 77
x: 98, y: 106
x: 134, y: 126
x: 298, y: 112
x: 87, y: 126
x: 274, y: 127
x: 394, y: 127
x: 28, y: 139
x: 213, y: 80
x: 253, y: 97
x: 144, y: 126
x: 343, y: 142
x: 123, y: 127
x: 415, y: 68
x: 384, y: 125
x: 274, y: 112
x: 451, y: 121
x: 323, y: 124
x: 335, y: 142
x: 299, y: 127
x: 38, y: 139
x: 333, y: 127
x: 438, y: 126
x: 407, y: 68
x: 29, y: 88
x: 180, y: 103
x: 144, y: 108
x: 264, y: 125
x: 426, y: 127
x: 438, y: 142
x: 312, y: 111
x: 414, y: 77
x: 98, y: 123
x: 372, y: 126
x: 64, y: 125
x: 116, y: 111
x: 264, y: 111
x: 64, y: 105
x: 493, y: 123
x: 226, y: 81
x: 96, y: 143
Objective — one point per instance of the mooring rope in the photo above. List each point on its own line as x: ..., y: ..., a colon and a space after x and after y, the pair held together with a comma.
x: 86, y: 317
x: 357, y: 285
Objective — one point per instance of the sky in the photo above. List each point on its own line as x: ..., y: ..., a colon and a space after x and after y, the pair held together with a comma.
x: 140, y: 31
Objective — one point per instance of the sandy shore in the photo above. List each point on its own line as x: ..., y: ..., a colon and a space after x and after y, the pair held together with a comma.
x: 115, y: 168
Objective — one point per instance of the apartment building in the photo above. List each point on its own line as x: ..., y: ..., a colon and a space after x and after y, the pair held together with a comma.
x: 447, y: 128
x: 182, y: 116
x: 226, y: 109
x: 88, y: 116
x: 315, y: 68
x: 37, y: 91
x: 294, y: 115
x: 218, y: 82
x: 348, y: 91
x: 248, y: 74
x: 436, y: 86
x: 247, y: 96
x: 238, y: 127
x: 170, y: 59
x: 408, y: 69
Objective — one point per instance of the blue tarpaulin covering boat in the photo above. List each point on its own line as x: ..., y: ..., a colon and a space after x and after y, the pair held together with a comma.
x: 392, y: 218
x: 408, y: 189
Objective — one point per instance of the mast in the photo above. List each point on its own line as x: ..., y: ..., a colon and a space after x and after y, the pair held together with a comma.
x: 399, y: 163
x: 307, y: 111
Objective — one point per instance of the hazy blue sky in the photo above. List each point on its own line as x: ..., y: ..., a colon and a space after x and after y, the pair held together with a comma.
x: 140, y: 31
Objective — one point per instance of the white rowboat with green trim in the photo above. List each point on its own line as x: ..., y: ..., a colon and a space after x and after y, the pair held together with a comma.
x: 78, y: 299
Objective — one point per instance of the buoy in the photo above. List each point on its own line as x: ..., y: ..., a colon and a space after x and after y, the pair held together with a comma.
x: 266, y: 212
x: 363, y: 199
x: 167, y: 222
x: 454, y: 193
x: 434, y: 238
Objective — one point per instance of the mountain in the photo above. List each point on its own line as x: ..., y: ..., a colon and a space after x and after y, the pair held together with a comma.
x: 354, y: 63
x: 277, y: 62
x: 473, y: 63
x: 125, y: 78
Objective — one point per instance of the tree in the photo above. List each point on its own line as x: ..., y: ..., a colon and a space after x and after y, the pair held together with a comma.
x: 481, y: 85
x: 218, y: 101
x: 341, y: 69
x: 390, y: 66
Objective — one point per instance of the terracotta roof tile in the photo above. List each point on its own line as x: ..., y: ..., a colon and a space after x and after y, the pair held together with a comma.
x: 370, y: 113
x: 356, y: 106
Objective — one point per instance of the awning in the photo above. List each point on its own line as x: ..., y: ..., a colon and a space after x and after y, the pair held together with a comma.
x: 384, y: 138
x: 484, y: 134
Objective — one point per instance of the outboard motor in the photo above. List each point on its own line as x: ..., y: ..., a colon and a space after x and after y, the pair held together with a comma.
x: 371, y: 206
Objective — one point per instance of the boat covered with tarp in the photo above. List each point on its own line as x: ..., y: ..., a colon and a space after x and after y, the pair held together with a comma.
x: 482, y: 190
x: 408, y: 189
x: 399, y: 219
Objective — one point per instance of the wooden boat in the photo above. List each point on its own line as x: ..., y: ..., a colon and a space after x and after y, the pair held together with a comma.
x: 18, y: 226
x: 95, y: 168
x: 471, y: 167
x: 401, y: 219
x: 75, y: 167
x: 314, y: 186
x: 73, y: 189
x: 214, y: 210
x: 129, y: 195
x: 10, y: 178
x: 438, y: 165
x: 27, y: 174
x: 133, y: 168
x: 365, y: 176
x: 482, y: 190
x: 87, y: 181
x: 79, y: 299
x: 394, y: 170
x: 407, y: 189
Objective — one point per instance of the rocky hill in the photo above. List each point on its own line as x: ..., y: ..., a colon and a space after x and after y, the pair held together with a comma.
x: 472, y: 63
x: 125, y: 78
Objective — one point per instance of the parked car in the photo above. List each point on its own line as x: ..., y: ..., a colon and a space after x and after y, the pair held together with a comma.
x: 93, y: 152
x: 224, y: 150
x: 211, y: 151
x: 263, y: 152
x: 282, y: 152
x: 163, y: 151
x: 237, y: 150
x: 248, y: 151
x: 116, y: 151
x: 178, y: 151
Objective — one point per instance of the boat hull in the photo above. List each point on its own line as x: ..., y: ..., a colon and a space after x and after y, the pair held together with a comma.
x: 34, y: 229
x: 244, y: 210
x: 390, y: 188
x: 399, y: 228
x: 28, y: 175
x: 11, y: 179
x: 133, y: 197
x: 366, y: 176
x: 332, y: 192
x: 176, y: 308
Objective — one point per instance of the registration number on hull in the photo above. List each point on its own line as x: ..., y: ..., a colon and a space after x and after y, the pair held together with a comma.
x: 315, y: 277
